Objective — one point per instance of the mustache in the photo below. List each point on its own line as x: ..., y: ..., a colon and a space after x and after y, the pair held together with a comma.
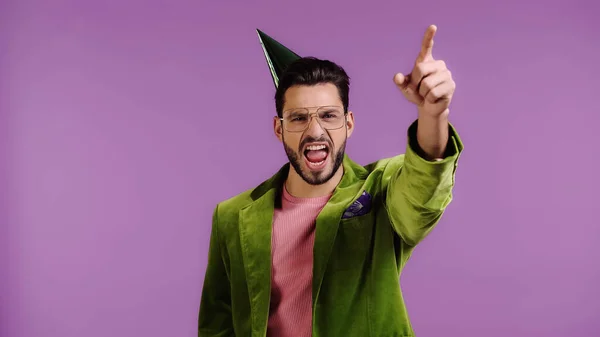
x: 310, y: 139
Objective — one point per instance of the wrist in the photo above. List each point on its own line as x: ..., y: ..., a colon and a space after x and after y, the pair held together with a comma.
x: 438, y: 117
x: 432, y: 135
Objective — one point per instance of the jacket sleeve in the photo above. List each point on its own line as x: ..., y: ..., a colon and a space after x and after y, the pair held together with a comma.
x: 215, y: 316
x: 418, y: 190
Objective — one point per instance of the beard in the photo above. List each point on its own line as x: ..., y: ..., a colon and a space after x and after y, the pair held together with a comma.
x: 296, y: 159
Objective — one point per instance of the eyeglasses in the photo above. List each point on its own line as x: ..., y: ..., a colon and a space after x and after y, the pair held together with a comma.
x: 298, y: 119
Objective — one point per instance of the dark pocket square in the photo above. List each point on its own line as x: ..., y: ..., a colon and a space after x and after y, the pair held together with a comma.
x: 360, y: 206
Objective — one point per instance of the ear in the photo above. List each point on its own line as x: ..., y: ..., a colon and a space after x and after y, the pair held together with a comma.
x: 349, y: 124
x: 277, y: 128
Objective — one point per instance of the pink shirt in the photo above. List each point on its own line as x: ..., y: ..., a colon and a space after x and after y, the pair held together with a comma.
x: 292, y: 264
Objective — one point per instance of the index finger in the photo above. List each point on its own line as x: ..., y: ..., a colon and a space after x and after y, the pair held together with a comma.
x: 427, y: 45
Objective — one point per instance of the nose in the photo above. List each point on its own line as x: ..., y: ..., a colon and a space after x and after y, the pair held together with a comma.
x: 314, y: 128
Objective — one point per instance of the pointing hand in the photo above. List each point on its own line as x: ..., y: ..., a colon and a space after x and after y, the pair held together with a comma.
x: 429, y: 85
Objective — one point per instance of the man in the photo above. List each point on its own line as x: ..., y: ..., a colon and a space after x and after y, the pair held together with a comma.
x: 317, y: 249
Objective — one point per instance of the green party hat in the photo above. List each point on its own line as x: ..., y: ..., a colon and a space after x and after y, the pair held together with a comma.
x: 278, y: 56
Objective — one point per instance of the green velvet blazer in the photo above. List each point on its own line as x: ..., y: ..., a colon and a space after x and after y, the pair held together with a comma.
x: 364, y: 236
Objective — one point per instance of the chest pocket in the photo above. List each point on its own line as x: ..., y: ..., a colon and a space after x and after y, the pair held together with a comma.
x: 353, y: 243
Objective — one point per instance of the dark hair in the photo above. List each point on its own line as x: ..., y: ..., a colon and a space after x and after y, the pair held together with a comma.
x: 312, y: 71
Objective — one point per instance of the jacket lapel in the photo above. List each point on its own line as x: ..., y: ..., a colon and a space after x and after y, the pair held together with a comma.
x: 328, y: 221
x: 255, y: 228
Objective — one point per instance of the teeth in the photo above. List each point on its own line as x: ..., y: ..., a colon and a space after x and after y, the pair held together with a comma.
x: 316, y: 164
x: 316, y: 147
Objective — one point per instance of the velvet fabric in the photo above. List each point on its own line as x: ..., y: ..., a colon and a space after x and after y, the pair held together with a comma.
x: 360, y: 247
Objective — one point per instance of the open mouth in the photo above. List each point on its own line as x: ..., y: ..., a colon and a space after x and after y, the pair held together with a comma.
x: 316, y: 155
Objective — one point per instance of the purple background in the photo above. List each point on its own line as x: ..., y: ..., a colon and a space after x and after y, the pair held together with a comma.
x: 123, y: 123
